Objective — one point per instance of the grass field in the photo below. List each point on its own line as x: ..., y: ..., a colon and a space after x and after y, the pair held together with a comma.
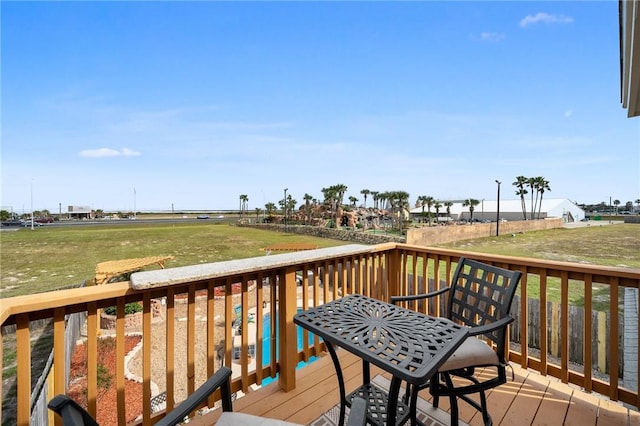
x: 50, y: 258
x: 610, y: 245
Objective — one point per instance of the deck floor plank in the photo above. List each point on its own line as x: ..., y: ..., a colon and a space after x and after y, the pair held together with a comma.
x: 554, y: 405
x: 499, y: 401
x: 525, y: 406
x: 530, y: 399
x: 612, y: 414
x: 583, y: 410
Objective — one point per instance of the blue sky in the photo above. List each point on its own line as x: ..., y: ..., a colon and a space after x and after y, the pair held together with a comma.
x: 190, y: 104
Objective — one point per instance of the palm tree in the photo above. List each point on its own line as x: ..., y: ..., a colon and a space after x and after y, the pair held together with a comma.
x: 270, y: 208
x: 542, y: 186
x: 334, y: 196
x: 398, y: 201
x: 520, y: 182
x: 383, y: 197
x: 403, y: 203
x: 243, y: 204
x: 471, y: 203
x: 638, y: 203
x: 616, y: 203
x: 536, y: 182
x: 437, y: 206
x: 532, y: 186
x: 365, y: 192
x: 448, y: 205
x: 340, y: 191
x: 422, y: 201
x: 330, y: 199
x: 353, y: 200
x: 291, y: 204
x: 374, y: 195
x: 430, y: 201
x: 307, y: 203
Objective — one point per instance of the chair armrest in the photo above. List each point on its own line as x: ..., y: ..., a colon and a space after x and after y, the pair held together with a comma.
x: 71, y: 412
x: 220, y: 380
x: 487, y: 328
x: 395, y: 299
x: 358, y: 413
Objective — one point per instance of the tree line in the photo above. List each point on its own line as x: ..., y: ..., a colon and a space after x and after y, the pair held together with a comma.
x: 333, y: 201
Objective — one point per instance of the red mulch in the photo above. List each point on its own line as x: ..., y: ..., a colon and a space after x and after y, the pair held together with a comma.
x: 107, y: 415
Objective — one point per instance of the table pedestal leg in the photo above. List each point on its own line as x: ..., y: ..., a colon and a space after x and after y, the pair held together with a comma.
x: 392, y: 405
x: 343, y: 393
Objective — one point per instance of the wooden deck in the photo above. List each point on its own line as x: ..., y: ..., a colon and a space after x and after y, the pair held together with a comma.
x: 531, y: 399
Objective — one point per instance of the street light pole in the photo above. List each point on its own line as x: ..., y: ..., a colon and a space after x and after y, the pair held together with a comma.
x: 284, y: 208
x: 498, y: 210
x: 32, y: 204
x: 610, y: 210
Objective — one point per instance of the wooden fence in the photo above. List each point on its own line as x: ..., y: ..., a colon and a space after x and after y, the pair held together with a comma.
x: 43, y: 388
x: 600, y: 332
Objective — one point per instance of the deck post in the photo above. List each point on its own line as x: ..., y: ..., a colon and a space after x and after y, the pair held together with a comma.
x: 287, y: 308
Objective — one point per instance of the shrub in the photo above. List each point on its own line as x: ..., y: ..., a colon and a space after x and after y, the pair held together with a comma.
x: 129, y: 308
x: 104, y: 377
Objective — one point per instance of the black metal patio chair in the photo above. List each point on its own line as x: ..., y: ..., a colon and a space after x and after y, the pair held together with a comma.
x: 480, y: 297
x: 74, y: 415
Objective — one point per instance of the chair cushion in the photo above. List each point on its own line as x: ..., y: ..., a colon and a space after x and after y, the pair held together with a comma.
x: 472, y: 352
x: 241, y: 419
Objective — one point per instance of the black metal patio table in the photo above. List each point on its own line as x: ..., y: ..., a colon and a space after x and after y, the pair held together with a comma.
x: 409, y: 345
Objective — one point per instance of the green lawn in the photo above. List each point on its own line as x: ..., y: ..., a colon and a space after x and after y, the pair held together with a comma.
x: 50, y: 258
x: 611, y: 245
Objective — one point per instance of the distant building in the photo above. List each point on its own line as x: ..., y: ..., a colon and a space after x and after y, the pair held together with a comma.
x: 509, y: 210
x: 79, y: 212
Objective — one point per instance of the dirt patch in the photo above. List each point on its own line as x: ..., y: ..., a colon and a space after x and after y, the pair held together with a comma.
x: 106, y: 400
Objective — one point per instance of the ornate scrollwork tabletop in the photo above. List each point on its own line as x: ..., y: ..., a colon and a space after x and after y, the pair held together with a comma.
x: 406, y: 343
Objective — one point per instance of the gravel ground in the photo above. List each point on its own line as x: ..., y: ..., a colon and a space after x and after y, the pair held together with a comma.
x: 158, y: 354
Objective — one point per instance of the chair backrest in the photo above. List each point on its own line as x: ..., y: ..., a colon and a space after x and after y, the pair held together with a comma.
x: 482, y: 294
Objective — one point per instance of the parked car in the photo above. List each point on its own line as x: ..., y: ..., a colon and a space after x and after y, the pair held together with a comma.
x: 202, y: 216
x: 11, y: 222
x: 27, y: 223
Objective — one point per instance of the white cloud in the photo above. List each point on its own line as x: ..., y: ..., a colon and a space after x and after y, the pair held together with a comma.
x: 545, y: 18
x: 126, y: 152
x: 487, y: 36
x: 108, y: 152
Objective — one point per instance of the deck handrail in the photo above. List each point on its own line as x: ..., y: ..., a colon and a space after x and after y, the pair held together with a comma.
x: 378, y: 271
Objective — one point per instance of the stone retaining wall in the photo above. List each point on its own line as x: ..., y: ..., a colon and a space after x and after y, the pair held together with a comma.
x: 108, y: 322
x: 632, y: 219
x: 424, y: 236
x: 343, y: 234
x: 433, y: 235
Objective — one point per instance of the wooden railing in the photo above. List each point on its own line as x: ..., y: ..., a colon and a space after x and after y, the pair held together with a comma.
x: 546, y: 278
x: 191, y: 316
